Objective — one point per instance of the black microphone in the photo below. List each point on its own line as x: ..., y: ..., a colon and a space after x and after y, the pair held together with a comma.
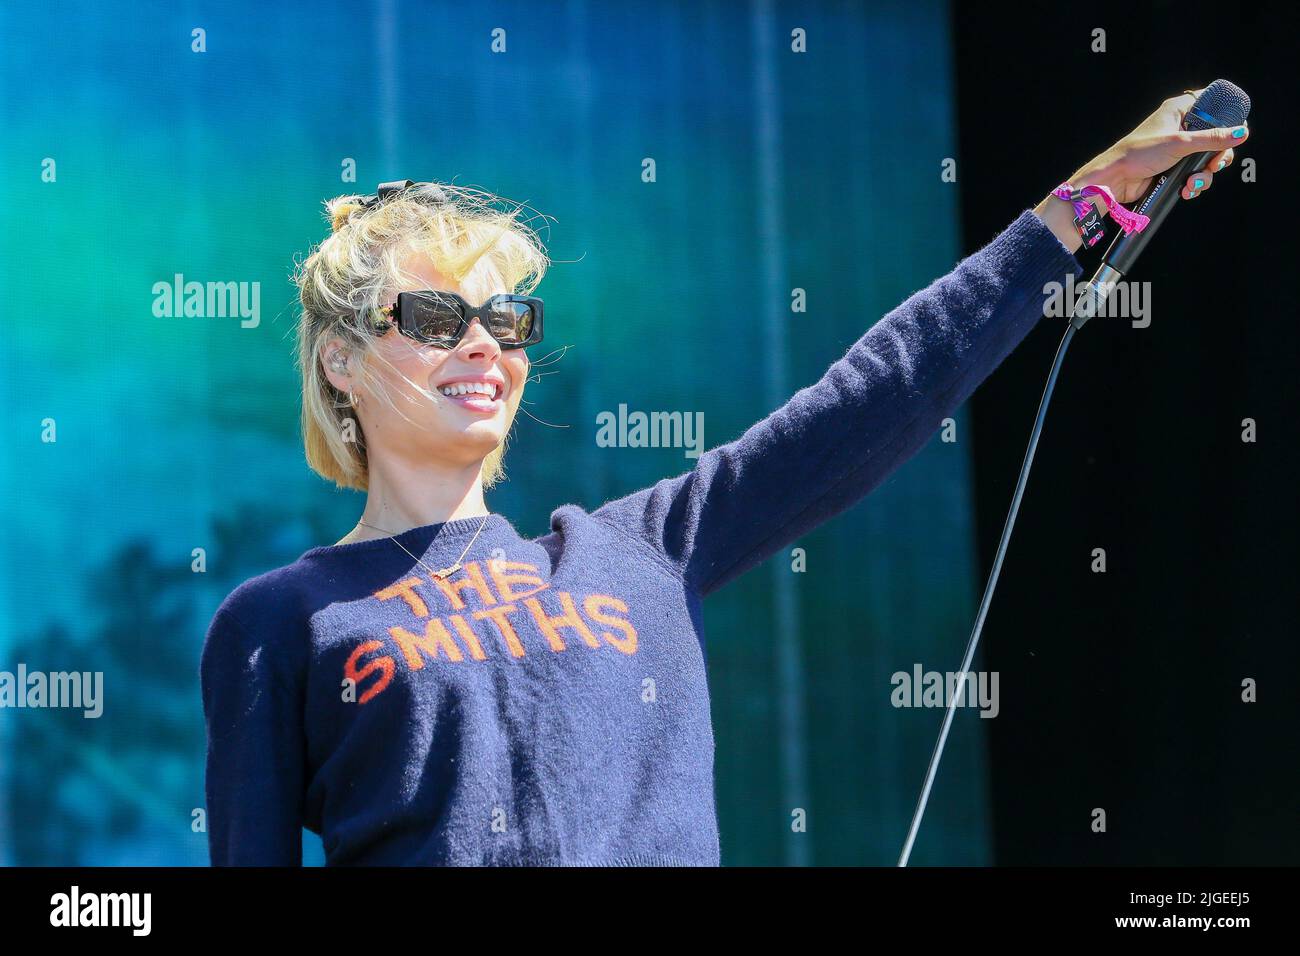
x: 1222, y: 104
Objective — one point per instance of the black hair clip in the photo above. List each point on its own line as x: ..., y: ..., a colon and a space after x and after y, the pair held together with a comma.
x: 388, y: 190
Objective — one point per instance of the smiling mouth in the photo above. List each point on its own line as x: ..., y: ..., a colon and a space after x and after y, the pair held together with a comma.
x: 481, y: 397
x: 488, y: 392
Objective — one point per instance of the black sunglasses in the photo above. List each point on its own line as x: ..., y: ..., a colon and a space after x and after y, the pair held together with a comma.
x: 443, y: 318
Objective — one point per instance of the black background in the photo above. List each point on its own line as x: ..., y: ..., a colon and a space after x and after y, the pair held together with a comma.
x: 1128, y: 683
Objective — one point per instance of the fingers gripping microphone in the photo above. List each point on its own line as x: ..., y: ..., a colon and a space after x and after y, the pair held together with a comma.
x: 1222, y: 104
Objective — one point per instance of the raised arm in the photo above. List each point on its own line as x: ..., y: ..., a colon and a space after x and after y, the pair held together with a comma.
x: 874, y: 408
x: 835, y: 441
x: 252, y: 702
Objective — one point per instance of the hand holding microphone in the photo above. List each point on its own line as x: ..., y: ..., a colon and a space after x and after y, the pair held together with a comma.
x: 1190, y: 136
x: 1157, y: 145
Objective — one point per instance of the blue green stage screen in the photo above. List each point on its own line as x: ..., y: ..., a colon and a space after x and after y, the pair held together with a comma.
x: 137, y: 150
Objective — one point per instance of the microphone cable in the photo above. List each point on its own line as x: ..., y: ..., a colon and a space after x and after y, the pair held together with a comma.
x: 1221, y: 104
x: 988, y: 592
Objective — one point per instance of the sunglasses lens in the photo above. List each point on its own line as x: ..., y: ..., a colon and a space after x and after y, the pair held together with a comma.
x: 511, y: 322
x: 437, y: 319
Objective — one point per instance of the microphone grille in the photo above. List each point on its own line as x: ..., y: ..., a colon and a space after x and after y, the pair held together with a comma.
x: 1223, y: 102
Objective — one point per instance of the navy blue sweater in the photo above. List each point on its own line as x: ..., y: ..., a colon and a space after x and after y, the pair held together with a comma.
x: 547, y: 704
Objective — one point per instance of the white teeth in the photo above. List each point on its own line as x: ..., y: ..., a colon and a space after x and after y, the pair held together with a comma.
x: 470, y: 388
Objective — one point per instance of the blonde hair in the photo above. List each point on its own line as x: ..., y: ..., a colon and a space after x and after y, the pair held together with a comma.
x: 356, y: 270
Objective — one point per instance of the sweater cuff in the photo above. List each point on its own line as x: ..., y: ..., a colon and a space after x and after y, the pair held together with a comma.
x: 1039, y: 253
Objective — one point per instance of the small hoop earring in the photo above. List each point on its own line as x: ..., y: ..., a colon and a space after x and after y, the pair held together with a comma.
x: 353, y: 399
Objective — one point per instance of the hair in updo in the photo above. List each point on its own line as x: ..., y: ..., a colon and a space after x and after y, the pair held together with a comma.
x: 340, y: 209
x: 472, y: 236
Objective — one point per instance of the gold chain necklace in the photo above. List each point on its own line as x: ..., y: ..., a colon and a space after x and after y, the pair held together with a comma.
x: 441, y: 572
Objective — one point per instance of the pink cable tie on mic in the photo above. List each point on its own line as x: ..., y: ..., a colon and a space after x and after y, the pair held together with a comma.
x: 1128, y: 220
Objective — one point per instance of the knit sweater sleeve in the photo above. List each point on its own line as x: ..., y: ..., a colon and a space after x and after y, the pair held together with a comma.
x: 836, y: 440
x: 253, y: 695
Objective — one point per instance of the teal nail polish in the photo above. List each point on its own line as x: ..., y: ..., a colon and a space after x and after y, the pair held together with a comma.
x: 1222, y: 163
x: 1199, y: 183
x: 1192, y: 194
x: 1239, y: 132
